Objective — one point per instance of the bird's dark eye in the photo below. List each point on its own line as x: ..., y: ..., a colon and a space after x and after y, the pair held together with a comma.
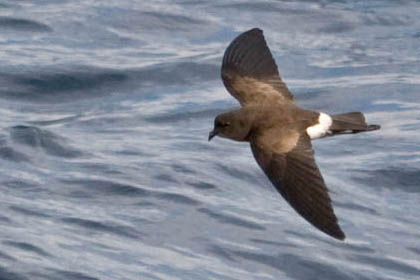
x: 221, y: 123
x: 224, y: 124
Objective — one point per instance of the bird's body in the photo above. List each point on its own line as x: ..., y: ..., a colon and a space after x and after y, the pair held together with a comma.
x: 278, y: 131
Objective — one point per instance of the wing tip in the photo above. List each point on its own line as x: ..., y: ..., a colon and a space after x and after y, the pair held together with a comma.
x: 254, y: 30
x: 334, y: 231
x: 249, y: 55
x: 373, y: 127
x: 339, y: 235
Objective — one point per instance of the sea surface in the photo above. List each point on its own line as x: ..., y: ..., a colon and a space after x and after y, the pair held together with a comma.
x: 105, y: 167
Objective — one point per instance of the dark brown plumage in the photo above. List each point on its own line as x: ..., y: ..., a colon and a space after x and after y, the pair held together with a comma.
x: 279, y: 132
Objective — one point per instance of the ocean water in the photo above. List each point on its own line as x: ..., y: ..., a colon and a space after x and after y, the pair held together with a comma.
x: 105, y: 167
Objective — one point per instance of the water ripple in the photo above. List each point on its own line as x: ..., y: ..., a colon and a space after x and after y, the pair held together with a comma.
x: 177, y: 198
x: 27, y: 247
x: 297, y: 267
x: 5, y: 257
x: 28, y: 212
x: 406, y: 179
x: 67, y: 85
x: 108, y: 188
x: 7, y: 274
x: 228, y: 219
x: 101, y: 227
x: 36, y: 137
x: 71, y: 275
x: 388, y: 264
x: 18, y: 24
x: 8, y: 153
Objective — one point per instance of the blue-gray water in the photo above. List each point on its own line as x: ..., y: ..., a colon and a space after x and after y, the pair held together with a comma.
x: 105, y: 168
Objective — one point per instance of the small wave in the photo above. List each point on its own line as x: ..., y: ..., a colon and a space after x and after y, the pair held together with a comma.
x: 388, y: 264
x: 51, y: 143
x: 109, y: 187
x: 173, y: 74
x: 221, y: 252
x: 28, y: 212
x: 4, y: 219
x: 180, y: 168
x: 168, y: 23
x: 177, y: 198
x: 71, y: 84
x: 265, y: 7
x: 5, y: 257
x: 415, y: 250
x: 64, y: 85
x: 20, y: 185
x: 7, y: 274
x: 72, y: 275
x: 202, y: 185
x: 8, y: 153
x: 358, y: 207
x: 238, y: 173
x: 356, y: 81
x: 165, y: 177
x: 55, y: 121
x: 405, y: 179
x: 60, y: 85
x: 183, y: 116
x: 113, y: 228
x: 18, y: 24
x: 228, y: 219
x: 296, y: 267
x: 27, y: 247
x: 273, y: 243
x: 338, y: 27
x: 386, y: 20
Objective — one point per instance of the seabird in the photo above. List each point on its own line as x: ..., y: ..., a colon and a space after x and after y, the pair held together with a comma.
x: 278, y: 131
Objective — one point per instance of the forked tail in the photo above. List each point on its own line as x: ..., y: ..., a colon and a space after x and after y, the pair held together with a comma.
x: 353, y: 122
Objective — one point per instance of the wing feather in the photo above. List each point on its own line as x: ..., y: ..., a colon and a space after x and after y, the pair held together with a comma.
x: 297, y: 178
x: 250, y: 73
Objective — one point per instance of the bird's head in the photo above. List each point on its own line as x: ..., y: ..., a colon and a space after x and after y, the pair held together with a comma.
x: 235, y: 125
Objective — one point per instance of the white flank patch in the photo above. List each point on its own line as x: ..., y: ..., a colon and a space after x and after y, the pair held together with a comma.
x: 322, y: 128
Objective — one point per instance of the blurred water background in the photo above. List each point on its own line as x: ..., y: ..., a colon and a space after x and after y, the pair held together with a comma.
x: 105, y: 168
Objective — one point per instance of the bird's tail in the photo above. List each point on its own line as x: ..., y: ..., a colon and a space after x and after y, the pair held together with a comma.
x: 353, y: 122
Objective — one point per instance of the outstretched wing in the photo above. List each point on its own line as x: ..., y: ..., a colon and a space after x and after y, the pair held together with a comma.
x: 296, y: 177
x: 250, y: 73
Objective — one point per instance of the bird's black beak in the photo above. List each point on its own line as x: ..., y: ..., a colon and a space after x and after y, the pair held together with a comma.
x: 212, y: 134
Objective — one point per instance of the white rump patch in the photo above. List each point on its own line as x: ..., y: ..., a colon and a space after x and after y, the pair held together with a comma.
x: 322, y: 128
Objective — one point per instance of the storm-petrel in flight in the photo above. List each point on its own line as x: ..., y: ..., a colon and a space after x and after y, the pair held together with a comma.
x: 279, y: 132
